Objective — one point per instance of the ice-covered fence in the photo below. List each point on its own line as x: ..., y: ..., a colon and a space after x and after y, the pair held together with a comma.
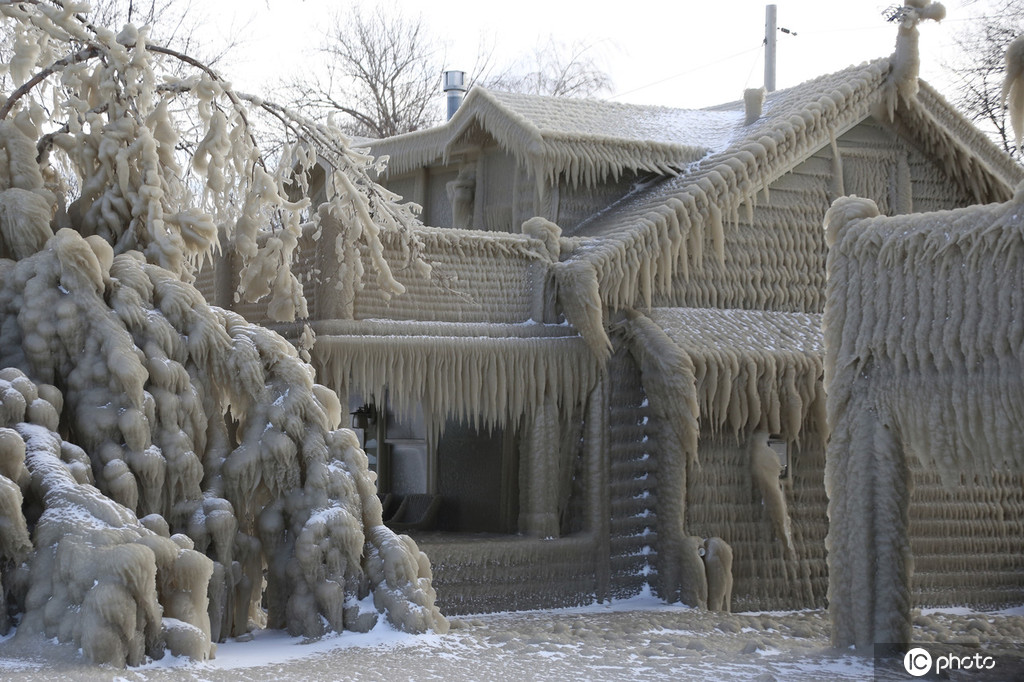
x: 473, y: 277
x: 924, y: 339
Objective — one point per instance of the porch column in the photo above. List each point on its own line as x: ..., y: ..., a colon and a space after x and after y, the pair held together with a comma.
x: 597, y: 455
x: 869, y: 555
x: 538, y: 472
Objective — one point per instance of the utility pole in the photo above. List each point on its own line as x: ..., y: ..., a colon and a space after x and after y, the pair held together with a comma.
x: 770, y: 29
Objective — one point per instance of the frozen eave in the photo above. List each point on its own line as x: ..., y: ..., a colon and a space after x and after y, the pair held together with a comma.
x: 584, y: 141
x: 484, y: 374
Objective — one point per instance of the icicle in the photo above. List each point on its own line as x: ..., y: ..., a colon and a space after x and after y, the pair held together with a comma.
x: 24, y: 222
x: 764, y: 469
x: 582, y: 303
x: 838, y: 188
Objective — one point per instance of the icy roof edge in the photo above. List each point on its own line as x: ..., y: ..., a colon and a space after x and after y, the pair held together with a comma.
x: 641, y: 244
x: 647, y: 241
x: 584, y: 157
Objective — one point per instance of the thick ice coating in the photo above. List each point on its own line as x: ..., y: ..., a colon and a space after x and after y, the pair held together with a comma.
x: 170, y: 474
x: 272, y: 492
x: 924, y: 341
x: 1013, y: 87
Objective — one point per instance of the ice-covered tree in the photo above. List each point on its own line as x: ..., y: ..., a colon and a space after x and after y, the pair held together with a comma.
x: 171, y: 475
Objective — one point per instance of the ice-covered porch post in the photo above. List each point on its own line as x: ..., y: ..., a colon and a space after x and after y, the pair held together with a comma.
x: 866, y: 473
x: 538, y: 474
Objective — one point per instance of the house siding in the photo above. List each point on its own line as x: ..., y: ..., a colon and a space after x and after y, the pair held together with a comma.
x: 723, y: 501
x: 967, y: 541
x: 576, y: 203
x: 777, y: 261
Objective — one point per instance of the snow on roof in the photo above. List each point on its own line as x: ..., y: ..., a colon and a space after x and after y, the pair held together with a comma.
x: 589, y: 119
x: 586, y: 140
x: 731, y: 370
x: 742, y: 331
x: 638, y: 245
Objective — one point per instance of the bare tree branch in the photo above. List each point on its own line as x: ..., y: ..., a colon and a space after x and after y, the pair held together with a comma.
x: 383, y: 71
x: 978, y: 68
x: 554, y: 68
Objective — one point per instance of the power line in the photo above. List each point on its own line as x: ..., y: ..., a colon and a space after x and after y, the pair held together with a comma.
x: 686, y: 73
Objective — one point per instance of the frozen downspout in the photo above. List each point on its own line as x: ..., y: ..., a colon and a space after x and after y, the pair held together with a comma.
x: 455, y: 88
x: 770, y: 29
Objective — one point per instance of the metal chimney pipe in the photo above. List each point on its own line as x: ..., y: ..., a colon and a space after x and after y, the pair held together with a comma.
x: 770, y: 31
x: 454, y: 86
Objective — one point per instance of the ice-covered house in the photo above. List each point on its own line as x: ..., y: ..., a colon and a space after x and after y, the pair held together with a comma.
x: 617, y: 351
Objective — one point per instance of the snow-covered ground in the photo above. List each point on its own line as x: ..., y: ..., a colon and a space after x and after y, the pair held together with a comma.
x: 636, y: 639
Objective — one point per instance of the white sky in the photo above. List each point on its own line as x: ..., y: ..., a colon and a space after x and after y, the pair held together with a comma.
x: 683, y: 53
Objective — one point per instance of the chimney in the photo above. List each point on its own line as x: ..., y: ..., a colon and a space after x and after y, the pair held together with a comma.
x: 753, y: 102
x: 454, y: 85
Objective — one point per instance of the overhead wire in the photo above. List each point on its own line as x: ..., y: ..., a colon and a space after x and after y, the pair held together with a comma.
x: 685, y: 73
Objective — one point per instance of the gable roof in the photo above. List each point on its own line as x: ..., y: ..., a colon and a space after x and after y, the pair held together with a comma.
x: 638, y: 245
x: 586, y: 140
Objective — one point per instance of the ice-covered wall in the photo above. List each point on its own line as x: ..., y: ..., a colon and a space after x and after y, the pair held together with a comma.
x: 924, y: 343
x: 725, y: 499
x: 774, y: 255
x: 475, y: 277
x: 508, y: 573
x: 967, y: 539
x: 712, y: 376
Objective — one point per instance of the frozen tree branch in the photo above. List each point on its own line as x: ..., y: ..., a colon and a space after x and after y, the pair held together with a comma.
x: 208, y: 490
x: 80, y: 56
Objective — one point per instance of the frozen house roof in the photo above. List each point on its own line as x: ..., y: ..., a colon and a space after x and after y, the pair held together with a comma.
x: 743, y: 369
x: 587, y: 140
x: 635, y: 247
x: 707, y: 330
